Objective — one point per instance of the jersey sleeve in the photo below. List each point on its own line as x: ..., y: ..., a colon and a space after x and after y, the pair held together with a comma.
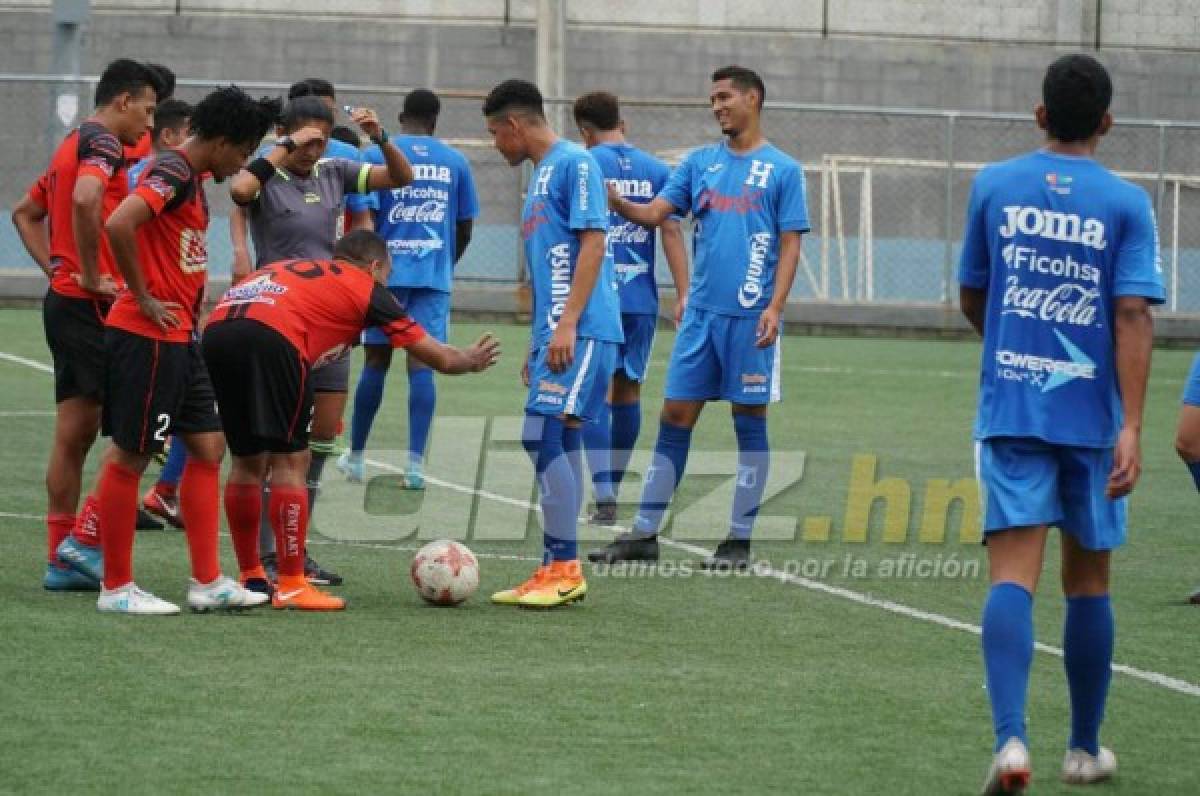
x: 974, y: 263
x: 468, y: 199
x: 793, y: 204
x: 354, y: 175
x: 678, y: 190
x: 385, y: 311
x: 167, y: 184
x: 1139, y: 263
x: 662, y: 173
x: 587, y: 201
x: 100, y: 155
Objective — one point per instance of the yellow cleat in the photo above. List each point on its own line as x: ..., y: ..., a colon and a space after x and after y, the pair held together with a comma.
x: 562, y: 584
x: 513, y: 596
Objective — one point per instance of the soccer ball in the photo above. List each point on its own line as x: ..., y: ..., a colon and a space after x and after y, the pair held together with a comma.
x: 445, y: 572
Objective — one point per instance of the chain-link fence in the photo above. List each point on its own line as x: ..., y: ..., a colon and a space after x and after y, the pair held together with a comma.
x: 887, y: 188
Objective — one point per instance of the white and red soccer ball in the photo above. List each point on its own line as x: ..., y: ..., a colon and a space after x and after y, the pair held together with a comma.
x: 445, y: 572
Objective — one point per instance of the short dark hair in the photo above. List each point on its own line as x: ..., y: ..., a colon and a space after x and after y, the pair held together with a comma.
x: 421, y: 106
x: 361, y: 246
x: 171, y: 114
x: 234, y: 115
x: 164, y: 81
x: 346, y: 136
x: 514, y: 95
x: 743, y: 79
x: 1076, y: 92
x: 599, y: 110
x: 312, y: 87
x: 304, y: 109
x: 124, y: 76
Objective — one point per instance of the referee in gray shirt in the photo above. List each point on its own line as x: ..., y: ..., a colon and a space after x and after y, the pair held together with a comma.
x: 294, y: 201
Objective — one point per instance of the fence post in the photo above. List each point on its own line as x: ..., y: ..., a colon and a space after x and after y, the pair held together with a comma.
x: 524, y: 290
x: 948, y: 221
x: 69, y: 17
x: 1161, y: 188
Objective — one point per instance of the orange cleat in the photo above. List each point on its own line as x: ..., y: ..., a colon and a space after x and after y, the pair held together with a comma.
x: 300, y: 595
x: 562, y: 584
x: 513, y: 596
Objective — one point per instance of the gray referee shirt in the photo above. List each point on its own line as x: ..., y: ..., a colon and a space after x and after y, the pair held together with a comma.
x: 294, y: 217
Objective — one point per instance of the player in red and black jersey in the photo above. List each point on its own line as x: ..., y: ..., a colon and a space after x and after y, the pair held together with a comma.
x: 262, y: 341
x: 157, y: 384
x: 59, y: 221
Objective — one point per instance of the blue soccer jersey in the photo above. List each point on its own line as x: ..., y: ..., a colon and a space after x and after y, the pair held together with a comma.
x: 638, y: 177
x: 135, y: 171
x: 741, y: 203
x: 1055, y: 240
x: 419, y: 220
x: 566, y: 196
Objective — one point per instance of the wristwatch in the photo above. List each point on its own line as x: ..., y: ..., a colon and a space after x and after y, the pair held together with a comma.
x: 286, y: 142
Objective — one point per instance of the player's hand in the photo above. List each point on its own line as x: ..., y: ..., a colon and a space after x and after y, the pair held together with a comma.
x: 306, y: 135
x: 680, y: 306
x: 560, y: 354
x: 484, y: 353
x: 101, y: 285
x: 160, y: 313
x: 1127, y: 464
x: 525, y: 369
x: 768, y: 327
x: 614, y: 195
x: 367, y: 121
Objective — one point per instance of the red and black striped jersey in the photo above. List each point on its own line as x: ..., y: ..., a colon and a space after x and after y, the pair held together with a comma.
x: 320, y: 306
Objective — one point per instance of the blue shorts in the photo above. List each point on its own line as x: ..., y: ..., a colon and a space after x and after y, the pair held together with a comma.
x: 1191, y: 390
x: 1025, y: 481
x: 426, y: 306
x: 715, y: 359
x: 634, y: 354
x: 580, y: 390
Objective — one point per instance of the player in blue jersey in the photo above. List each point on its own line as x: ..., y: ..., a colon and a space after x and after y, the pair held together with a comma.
x: 1187, y: 435
x: 637, y: 176
x: 576, y: 325
x: 427, y: 225
x: 747, y: 199
x: 1059, y: 267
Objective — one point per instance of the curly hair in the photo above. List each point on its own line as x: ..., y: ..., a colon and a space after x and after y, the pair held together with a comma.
x: 234, y: 115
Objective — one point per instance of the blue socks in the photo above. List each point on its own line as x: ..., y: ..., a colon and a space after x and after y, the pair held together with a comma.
x: 1087, y: 657
x: 626, y: 426
x: 1194, y: 469
x: 559, y: 493
x: 172, y: 469
x: 422, y: 400
x: 666, y: 470
x: 572, y: 439
x: 1007, y: 656
x: 754, y: 459
x: 367, y: 398
x: 598, y: 444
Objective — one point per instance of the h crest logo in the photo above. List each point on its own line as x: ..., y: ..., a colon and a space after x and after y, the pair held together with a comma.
x: 759, y: 173
x: 542, y: 186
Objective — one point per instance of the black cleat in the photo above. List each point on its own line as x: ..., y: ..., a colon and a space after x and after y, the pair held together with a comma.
x: 147, y: 521
x: 731, y: 555
x: 259, y: 585
x: 270, y: 563
x: 318, y: 576
x: 605, y: 513
x: 626, y: 547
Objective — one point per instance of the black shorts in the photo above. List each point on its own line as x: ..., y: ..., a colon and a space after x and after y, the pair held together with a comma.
x: 75, y: 334
x: 155, y: 389
x: 262, y: 386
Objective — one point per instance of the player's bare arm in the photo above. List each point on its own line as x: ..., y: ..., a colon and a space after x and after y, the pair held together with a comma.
x: 87, y: 201
x: 462, y: 237
x: 122, y: 236
x: 450, y: 359
x: 239, y: 236
x: 675, y: 250
x: 397, y: 171
x: 973, y: 303
x: 650, y: 214
x: 1134, y: 338
x: 246, y: 184
x: 789, y: 258
x: 29, y: 218
x: 561, y: 352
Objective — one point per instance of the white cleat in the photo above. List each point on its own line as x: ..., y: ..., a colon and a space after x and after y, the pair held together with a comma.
x: 352, y: 466
x: 1010, y: 771
x: 1081, y: 768
x: 129, y: 599
x: 223, y: 594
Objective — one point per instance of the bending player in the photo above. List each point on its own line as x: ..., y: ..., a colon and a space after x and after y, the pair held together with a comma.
x: 576, y: 325
x: 264, y: 337
x: 1059, y: 422
x: 157, y: 383
x: 1187, y: 435
x: 748, y: 201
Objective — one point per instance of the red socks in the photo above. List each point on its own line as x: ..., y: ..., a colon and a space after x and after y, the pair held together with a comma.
x: 87, y: 524
x: 289, y: 519
x: 117, y: 500
x: 243, y: 511
x: 199, y: 507
x: 58, y: 527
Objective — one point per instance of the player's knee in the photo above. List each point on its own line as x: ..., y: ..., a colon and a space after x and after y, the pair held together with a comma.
x: 1188, y: 447
x: 676, y: 415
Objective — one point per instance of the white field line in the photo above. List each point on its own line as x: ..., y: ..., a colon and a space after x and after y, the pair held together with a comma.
x: 1154, y: 678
